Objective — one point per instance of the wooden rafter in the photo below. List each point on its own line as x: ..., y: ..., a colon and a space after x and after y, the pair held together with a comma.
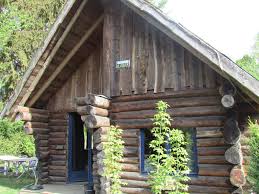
x: 66, y: 60
x: 53, y: 53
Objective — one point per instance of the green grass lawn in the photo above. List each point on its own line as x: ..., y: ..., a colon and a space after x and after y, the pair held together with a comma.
x: 10, y: 185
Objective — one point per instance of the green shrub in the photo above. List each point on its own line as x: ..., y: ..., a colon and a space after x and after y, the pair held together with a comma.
x: 253, y: 170
x: 13, y: 140
x: 8, y: 128
x: 170, y: 168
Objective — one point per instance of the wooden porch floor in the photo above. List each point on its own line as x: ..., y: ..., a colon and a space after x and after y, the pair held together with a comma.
x: 57, y: 189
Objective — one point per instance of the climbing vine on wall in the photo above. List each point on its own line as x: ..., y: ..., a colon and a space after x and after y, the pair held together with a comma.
x: 113, y: 151
x: 253, y: 170
x: 170, y: 167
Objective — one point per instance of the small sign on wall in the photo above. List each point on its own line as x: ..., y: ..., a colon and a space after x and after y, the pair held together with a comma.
x: 123, y: 64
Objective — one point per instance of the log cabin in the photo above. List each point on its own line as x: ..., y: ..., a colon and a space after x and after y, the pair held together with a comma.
x: 107, y: 63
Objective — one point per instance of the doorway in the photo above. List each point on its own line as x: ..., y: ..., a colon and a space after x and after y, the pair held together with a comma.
x: 79, y: 150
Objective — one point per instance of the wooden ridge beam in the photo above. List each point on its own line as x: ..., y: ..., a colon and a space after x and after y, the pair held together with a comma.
x: 66, y: 60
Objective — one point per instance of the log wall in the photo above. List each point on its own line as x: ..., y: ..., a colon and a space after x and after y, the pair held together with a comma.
x: 94, y: 113
x: 201, y: 109
x: 36, y: 124
x: 58, y: 147
x: 159, y: 69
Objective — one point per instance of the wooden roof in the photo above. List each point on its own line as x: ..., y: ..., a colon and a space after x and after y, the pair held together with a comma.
x: 72, y: 17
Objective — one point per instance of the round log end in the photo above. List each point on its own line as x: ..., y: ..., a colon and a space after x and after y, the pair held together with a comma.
x: 234, y: 155
x: 228, y: 101
x: 238, y: 191
x: 28, y: 130
x: 231, y: 131
x: 237, y: 176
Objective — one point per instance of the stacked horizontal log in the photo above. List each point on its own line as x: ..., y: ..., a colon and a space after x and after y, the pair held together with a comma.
x: 195, y: 108
x: 130, y: 162
x: 58, y: 125
x: 232, y: 135
x: 36, y: 124
x: 94, y: 113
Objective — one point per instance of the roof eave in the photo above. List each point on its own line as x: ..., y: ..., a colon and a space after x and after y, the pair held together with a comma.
x: 36, y: 57
x: 215, y: 59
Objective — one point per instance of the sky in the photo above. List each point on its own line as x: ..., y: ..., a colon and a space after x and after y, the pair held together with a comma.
x: 230, y: 26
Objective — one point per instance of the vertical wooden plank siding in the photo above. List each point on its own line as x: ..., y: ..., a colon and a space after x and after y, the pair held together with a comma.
x: 151, y: 61
x: 157, y: 62
x: 210, y: 77
x: 187, y: 64
x: 180, y: 66
x: 116, y: 15
x: 140, y: 69
x: 84, y: 80
x: 126, y: 38
x: 107, y: 55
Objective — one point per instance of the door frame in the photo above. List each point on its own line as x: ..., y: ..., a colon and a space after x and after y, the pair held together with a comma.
x: 78, y: 176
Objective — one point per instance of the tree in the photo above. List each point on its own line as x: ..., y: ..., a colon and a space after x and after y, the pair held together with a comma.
x: 23, y: 26
x: 158, y: 3
x: 256, y: 49
x: 249, y: 64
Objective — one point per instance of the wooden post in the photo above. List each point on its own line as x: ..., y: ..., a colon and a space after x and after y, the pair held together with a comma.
x: 94, y: 113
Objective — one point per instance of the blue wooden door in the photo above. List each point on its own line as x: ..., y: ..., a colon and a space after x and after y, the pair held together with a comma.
x: 79, y: 151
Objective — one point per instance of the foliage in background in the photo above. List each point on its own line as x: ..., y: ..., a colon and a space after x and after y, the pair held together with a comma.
x: 253, y: 170
x: 170, y: 167
x: 13, y: 140
x: 250, y: 63
x: 113, y: 151
x: 158, y: 3
x: 256, y: 48
x: 23, y: 26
